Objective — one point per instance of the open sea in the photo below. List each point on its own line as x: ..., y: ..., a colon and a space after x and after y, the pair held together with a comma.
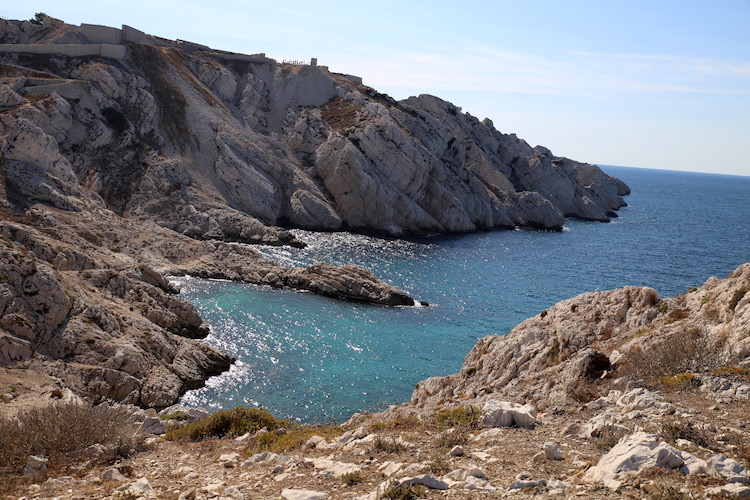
x: 317, y: 360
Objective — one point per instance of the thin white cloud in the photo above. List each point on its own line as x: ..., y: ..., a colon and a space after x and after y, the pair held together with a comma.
x: 483, y: 68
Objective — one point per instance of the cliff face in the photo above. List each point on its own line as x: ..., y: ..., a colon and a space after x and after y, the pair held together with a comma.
x: 216, y: 145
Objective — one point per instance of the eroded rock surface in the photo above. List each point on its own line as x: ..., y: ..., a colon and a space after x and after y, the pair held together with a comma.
x: 225, y: 146
x: 163, y: 157
x: 599, y: 335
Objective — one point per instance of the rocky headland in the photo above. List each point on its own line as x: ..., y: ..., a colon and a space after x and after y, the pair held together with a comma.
x: 126, y: 158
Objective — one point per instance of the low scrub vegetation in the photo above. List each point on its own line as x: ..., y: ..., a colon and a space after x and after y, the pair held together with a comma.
x: 291, y: 437
x: 340, y: 114
x: 681, y: 353
x: 678, y: 381
x: 58, y: 430
x: 451, y: 437
x: 388, y: 445
x: 396, y: 491
x: 228, y: 423
x: 672, y: 430
x: 468, y: 417
x: 281, y: 435
x: 352, y: 478
x: 608, y: 438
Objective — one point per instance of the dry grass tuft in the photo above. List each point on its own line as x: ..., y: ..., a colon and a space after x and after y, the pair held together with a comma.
x: 340, y: 114
x: 388, y: 445
x: 396, y: 491
x: 57, y: 430
x: 672, y: 430
x: 687, y: 352
x: 451, y: 437
x: 608, y: 438
x: 352, y: 478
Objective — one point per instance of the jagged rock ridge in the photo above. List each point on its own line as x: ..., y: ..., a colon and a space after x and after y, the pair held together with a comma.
x: 218, y: 145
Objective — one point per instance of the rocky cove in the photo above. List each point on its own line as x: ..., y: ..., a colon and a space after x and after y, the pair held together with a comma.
x: 167, y: 158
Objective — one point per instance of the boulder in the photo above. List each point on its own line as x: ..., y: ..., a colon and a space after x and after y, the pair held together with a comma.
x: 140, y: 488
x: 294, y: 494
x: 36, y: 467
x: 151, y: 425
x: 730, y: 490
x: 728, y: 469
x: 426, y: 480
x: 333, y: 467
x: 113, y: 474
x: 456, y: 451
x: 631, y: 455
x: 552, y: 451
x: 504, y: 414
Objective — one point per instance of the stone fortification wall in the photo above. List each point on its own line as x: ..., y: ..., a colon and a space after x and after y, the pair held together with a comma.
x: 70, y: 50
x: 95, y: 33
x: 228, y: 56
x: 130, y: 34
x: 190, y: 46
x: 351, y: 78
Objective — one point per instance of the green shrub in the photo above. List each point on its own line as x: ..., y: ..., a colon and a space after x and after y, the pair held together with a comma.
x: 352, y: 478
x: 179, y: 416
x: 295, y: 435
x: 229, y: 423
x: 462, y: 416
x: 731, y: 370
x: 679, y: 381
x: 396, y: 491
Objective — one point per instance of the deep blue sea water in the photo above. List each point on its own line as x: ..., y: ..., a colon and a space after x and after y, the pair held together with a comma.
x: 315, y: 359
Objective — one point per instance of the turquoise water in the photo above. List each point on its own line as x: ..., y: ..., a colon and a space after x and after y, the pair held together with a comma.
x: 316, y: 360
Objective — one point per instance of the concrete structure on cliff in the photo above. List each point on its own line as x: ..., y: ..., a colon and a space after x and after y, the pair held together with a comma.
x: 54, y: 37
x: 87, y: 40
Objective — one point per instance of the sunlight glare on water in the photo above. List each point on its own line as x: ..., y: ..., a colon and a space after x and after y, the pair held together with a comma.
x: 314, y: 359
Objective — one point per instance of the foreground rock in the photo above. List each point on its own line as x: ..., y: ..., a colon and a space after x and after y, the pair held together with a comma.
x: 626, y: 433
x: 634, y: 454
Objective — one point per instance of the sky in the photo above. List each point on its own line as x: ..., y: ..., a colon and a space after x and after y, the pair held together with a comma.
x: 652, y: 84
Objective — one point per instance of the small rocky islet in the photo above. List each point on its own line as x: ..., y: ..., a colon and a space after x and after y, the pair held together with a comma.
x: 127, y: 158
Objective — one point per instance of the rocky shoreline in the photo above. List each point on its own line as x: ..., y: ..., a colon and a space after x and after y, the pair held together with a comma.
x: 126, y: 158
